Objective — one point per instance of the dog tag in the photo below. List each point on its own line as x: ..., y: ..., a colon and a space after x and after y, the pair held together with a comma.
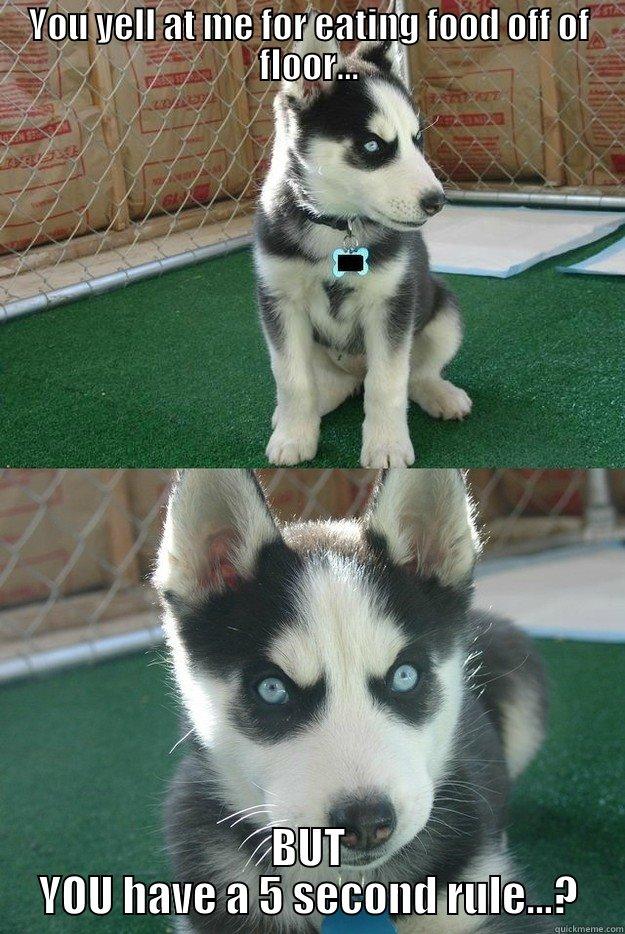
x: 350, y: 260
x: 340, y: 923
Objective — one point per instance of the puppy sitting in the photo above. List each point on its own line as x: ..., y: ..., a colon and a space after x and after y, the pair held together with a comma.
x: 348, y: 172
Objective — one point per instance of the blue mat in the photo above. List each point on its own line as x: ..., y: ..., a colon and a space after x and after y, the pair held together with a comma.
x: 609, y: 262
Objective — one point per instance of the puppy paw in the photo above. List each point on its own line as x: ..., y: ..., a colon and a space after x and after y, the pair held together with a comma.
x: 440, y: 398
x: 386, y: 449
x: 290, y: 446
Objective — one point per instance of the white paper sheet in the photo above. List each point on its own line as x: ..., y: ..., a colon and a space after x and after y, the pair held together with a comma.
x: 609, y: 262
x: 503, y: 241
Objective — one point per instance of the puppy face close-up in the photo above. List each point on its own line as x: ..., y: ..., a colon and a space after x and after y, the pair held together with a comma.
x: 299, y: 650
x: 358, y: 142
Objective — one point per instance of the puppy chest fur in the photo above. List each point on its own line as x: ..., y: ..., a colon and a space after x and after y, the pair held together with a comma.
x: 338, y: 309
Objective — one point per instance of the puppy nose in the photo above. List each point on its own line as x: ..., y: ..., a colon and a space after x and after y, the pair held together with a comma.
x: 367, y: 822
x: 432, y: 202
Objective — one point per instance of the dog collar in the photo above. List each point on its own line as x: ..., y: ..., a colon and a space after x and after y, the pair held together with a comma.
x: 363, y: 924
x: 326, y: 220
x: 351, y: 257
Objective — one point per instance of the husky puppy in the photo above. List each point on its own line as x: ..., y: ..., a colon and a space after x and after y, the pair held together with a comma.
x: 334, y: 675
x: 352, y: 150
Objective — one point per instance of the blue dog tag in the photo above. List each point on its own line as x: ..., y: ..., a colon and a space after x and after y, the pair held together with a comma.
x: 340, y: 923
x: 350, y: 260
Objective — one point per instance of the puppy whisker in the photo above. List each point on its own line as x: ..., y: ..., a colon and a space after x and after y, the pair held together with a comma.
x: 255, y: 851
x: 274, y: 823
x: 246, y: 811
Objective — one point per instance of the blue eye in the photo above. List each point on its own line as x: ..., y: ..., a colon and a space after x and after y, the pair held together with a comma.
x: 418, y: 138
x: 272, y: 691
x: 371, y: 145
x: 405, y: 678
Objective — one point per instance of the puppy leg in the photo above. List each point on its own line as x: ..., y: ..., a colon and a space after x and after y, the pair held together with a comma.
x: 296, y: 418
x: 432, y: 349
x: 334, y: 385
x: 385, y: 437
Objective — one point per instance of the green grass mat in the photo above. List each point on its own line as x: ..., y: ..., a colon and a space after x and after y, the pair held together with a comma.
x: 85, y: 761
x: 173, y: 372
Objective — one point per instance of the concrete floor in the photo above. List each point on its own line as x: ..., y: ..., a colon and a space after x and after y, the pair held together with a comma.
x: 573, y: 593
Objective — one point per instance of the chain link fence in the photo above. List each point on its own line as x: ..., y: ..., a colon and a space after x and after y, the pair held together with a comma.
x: 118, y: 161
x: 77, y: 546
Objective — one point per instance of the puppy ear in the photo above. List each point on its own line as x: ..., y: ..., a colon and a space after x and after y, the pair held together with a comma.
x: 426, y: 518
x: 217, y: 522
x: 303, y: 91
x: 383, y: 54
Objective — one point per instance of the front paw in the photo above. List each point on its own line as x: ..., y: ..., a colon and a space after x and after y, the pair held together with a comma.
x: 384, y: 447
x: 290, y: 445
x: 441, y: 399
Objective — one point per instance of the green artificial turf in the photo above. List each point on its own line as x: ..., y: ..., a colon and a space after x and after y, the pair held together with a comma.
x: 85, y: 762
x: 173, y: 372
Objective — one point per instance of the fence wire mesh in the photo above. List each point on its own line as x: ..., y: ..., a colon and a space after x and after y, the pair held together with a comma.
x: 77, y: 546
x: 130, y: 153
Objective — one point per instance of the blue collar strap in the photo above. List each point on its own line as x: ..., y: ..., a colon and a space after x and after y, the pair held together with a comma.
x: 340, y: 923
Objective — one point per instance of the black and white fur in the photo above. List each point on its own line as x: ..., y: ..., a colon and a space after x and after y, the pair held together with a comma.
x: 332, y: 608
x: 396, y: 327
